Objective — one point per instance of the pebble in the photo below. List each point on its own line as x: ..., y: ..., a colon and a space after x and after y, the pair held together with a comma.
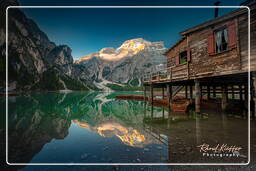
x: 146, y: 149
x: 105, y: 148
x: 243, y: 156
x: 138, y: 160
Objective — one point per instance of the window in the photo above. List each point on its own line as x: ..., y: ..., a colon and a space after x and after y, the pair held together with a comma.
x: 183, y: 57
x: 221, y: 40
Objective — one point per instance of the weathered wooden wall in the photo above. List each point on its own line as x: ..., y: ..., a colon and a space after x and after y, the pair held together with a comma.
x: 205, y: 64
x: 243, y: 39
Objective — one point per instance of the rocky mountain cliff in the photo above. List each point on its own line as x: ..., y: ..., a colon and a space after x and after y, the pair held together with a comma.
x: 34, y: 62
x: 126, y: 64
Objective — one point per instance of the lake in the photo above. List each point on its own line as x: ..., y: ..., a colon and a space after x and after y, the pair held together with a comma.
x: 94, y: 127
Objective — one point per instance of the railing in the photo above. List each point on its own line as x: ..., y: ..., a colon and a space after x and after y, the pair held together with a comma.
x: 167, y: 74
x: 157, y: 76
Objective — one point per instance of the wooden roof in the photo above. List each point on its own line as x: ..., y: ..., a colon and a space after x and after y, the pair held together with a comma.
x: 214, y: 21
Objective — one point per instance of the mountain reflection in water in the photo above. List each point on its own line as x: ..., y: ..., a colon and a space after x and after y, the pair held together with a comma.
x: 94, y: 127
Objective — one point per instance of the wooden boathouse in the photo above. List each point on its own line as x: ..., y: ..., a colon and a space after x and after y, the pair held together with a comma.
x: 211, y: 60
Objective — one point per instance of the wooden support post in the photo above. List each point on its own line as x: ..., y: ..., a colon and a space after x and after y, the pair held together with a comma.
x: 233, y: 93
x: 224, y: 100
x: 253, y: 94
x: 198, y: 96
x: 191, y: 92
x: 214, y: 91
x: 163, y: 93
x: 246, y: 99
x: 145, y: 93
x: 163, y: 113
x: 201, y: 91
x: 186, y: 92
x: 246, y: 94
x: 208, y: 92
x: 169, y: 95
x: 240, y: 93
x: 151, y: 94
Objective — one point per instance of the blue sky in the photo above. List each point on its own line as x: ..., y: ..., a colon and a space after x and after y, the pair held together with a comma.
x: 89, y: 30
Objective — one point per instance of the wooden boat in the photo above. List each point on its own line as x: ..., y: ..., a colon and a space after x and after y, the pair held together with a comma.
x: 179, y: 104
x: 133, y: 97
x: 9, y: 94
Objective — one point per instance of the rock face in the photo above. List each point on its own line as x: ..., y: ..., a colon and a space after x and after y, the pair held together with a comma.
x: 34, y: 62
x: 60, y: 55
x: 126, y: 64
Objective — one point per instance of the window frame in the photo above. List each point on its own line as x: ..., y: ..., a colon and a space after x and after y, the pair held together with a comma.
x: 215, y: 42
x: 185, y: 52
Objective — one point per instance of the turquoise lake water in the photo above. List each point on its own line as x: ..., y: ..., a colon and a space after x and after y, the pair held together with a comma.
x: 94, y: 127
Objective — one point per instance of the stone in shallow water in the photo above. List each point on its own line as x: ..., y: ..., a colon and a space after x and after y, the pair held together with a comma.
x: 146, y: 149
x: 138, y: 160
x: 243, y: 156
x: 105, y: 148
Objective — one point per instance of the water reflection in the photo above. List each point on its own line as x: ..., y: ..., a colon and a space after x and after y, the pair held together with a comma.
x: 82, y: 127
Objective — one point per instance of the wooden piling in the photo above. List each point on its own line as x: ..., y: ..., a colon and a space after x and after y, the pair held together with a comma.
x: 201, y: 91
x: 162, y: 92
x: 208, y: 92
x: 232, y: 91
x: 169, y: 95
x: 246, y: 98
x: 186, y: 92
x: 224, y: 99
x: 240, y: 93
x: 198, y: 96
x: 145, y: 93
x: 191, y: 92
x: 214, y: 92
x: 151, y: 94
x: 254, y: 95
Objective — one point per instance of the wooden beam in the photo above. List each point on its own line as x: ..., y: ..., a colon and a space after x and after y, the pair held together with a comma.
x: 198, y: 96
